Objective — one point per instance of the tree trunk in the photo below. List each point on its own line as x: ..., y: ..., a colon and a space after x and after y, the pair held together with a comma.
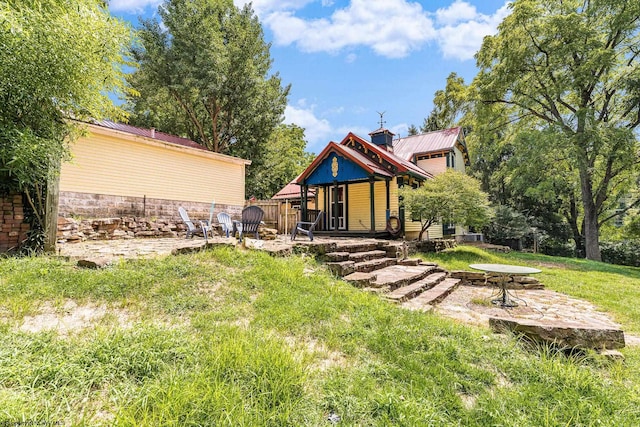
x: 591, y: 229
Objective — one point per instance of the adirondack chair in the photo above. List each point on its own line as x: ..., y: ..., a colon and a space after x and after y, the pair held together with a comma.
x: 207, y: 226
x: 191, y: 228
x: 306, y: 227
x: 225, y: 222
x: 251, y: 220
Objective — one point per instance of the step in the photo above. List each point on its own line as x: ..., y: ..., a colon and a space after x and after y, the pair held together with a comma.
x: 396, y: 276
x: 336, y: 256
x: 356, y: 247
x: 341, y: 268
x: 434, y: 295
x: 360, y: 280
x: 374, y: 264
x: 366, y: 256
x: 416, y: 288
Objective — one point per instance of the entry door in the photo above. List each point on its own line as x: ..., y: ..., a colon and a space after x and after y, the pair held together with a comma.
x: 341, y: 210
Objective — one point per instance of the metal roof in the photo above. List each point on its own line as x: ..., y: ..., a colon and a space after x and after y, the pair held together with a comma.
x: 441, y: 140
x: 149, y: 133
x: 292, y: 191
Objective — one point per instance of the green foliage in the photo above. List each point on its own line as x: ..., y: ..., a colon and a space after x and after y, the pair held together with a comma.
x: 571, y: 67
x: 506, y: 224
x: 451, y: 197
x: 625, y: 252
x: 58, y: 60
x: 450, y: 105
x: 285, y: 159
x: 204, y: 73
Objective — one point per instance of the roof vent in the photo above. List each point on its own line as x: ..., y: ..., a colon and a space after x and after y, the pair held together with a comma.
x: 153, y: 132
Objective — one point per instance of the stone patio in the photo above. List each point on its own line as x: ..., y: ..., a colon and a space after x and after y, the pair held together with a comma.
x: 468, y: 304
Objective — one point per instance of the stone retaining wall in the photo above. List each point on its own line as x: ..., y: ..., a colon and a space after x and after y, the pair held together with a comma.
x: 13, y: 228
x: 436, y: 245
x: 513, y: 281
x: 84, y: 216
x: 85, y: 205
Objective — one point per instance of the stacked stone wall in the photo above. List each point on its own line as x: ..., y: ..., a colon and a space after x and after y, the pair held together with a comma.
x: 84, y: 216
x: 13, y: 228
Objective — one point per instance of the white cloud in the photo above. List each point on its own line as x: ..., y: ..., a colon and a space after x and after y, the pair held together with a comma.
x: 392, y: 28
x: 262, y: 7
x: 465, y: 29
x: 458, y: 11
x: 316, y: 131
x: 132, y: 6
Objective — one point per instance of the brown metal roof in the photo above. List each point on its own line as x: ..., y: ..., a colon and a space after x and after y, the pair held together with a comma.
x: 441, y: 140
x: 149, y: 133
x: 292, y: 191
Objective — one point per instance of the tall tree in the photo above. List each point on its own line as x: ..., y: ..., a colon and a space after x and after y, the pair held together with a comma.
x: 450, y: 197
x: 59, y: 59
x: 285, y: 159
x: 203, y: 72
x: 449, y: 105
x: 573, y: 66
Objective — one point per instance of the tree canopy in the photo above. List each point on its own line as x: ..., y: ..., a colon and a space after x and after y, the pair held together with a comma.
x: 451, y: 197
x: 285, y: 159
x: 59, y: 60
x: 572, y: 67
x: 203, y: 72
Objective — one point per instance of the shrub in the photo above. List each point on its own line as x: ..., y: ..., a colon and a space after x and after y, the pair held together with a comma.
x: 626, y: 252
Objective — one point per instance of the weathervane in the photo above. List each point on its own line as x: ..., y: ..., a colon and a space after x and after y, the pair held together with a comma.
x: 382, y: 122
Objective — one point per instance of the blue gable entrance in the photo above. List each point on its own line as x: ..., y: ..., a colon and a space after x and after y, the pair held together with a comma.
x: 336, y: 168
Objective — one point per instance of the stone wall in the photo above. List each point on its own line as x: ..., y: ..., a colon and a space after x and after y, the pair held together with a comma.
x: 13, y: 228
x: 85, y: 205
x: 513, y: 281
x: 435, y: 245
x: 85, y: 216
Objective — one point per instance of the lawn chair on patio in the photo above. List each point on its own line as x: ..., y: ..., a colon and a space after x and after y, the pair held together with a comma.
x: 225, y: 222
x: 306, y: 227
x: 191, y: 228
x: 251, y: 220
x: 207, y: 226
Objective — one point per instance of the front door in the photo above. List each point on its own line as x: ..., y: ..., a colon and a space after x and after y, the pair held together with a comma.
x: 342, y: 225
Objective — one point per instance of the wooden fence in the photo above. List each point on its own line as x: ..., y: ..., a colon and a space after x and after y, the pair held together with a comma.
x: 278, y: 214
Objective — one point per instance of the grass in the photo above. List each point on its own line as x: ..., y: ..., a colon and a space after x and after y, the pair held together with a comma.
x: 227, y: 337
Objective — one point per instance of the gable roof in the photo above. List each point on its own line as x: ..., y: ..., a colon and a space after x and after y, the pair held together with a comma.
x: 359, y: 159
x: 402, y: 164
x: 149, y: 133
x: 440, y: 140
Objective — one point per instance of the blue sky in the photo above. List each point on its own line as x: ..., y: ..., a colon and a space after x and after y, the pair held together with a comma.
x: 347, y: 60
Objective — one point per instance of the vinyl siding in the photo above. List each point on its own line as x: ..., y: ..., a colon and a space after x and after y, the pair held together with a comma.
x: 111, y: 164
x: 359, y: 207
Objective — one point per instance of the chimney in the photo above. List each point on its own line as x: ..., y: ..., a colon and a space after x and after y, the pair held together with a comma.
x: 383, y: 138
x: 153, y: 132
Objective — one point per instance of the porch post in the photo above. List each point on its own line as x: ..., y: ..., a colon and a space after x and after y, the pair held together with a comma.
x: 388, y: 214
x: 372, y: 182
x: 303, y: 201
x: 336, y: 221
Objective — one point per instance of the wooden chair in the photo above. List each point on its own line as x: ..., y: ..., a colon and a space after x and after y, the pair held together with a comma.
x: 306, y: 227
x: 225, y: 222
x: 191, y: 228
x: 251, y: 220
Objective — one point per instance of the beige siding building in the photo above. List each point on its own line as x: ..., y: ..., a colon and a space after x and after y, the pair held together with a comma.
x: 119, y: 170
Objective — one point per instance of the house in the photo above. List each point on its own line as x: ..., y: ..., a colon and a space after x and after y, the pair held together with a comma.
x: 120, y: 171
x: 357, y: 181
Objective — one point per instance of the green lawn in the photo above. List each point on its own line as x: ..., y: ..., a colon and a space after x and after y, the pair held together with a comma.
x: 226, y: 337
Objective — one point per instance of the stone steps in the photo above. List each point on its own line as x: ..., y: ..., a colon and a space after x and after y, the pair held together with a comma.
x: 416, y: 288
x: 434, y: 295
x: 358, y: 247
x: 397, y: 276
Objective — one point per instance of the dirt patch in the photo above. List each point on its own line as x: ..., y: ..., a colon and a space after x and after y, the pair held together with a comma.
x: 72, y: 317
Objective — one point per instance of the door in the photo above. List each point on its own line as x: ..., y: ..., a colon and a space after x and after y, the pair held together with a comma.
x: 342, y: 224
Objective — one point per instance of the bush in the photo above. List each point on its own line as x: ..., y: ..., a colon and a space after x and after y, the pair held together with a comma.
x: 555, y: 246
x: 626, y: 252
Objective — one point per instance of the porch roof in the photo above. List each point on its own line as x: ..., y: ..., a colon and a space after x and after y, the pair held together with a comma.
x: 292, y: 191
